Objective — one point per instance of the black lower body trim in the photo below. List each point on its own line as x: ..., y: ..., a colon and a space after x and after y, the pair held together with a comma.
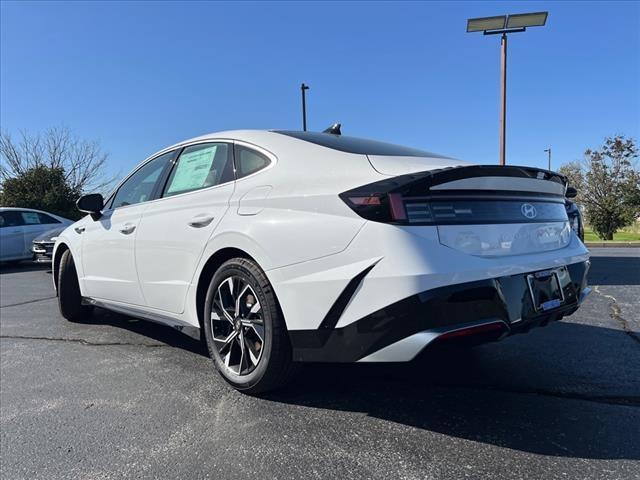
x: 505, y: 298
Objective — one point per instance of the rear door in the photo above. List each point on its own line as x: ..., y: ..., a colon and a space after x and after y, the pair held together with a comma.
x: 11, y: 235
x: 108, y: 255
x: 175, y: 228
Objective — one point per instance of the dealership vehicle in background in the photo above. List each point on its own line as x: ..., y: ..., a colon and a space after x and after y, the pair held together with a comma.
x: 575, y: 218
x: 18, y: 228
x: 291, y: 247
x: 42, y: 245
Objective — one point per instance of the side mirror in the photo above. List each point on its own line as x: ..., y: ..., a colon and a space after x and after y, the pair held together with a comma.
x: 571, y: 192
x: 91, y: 204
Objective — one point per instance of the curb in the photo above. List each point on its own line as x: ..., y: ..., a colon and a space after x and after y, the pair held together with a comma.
x: 612, y: 244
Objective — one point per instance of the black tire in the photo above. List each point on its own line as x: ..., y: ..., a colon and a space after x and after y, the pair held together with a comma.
x: 274, y: 366
x: 69, y: 296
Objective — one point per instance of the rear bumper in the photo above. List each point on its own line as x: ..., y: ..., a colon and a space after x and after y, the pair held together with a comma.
x: 485, y: 310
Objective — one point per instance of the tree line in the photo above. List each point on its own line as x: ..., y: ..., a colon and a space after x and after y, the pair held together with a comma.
x: 49, y: 171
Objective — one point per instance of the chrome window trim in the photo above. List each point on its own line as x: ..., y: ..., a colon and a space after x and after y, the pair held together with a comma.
x: 273, y: 160
x: 142, y: 164
x: 270, y: 156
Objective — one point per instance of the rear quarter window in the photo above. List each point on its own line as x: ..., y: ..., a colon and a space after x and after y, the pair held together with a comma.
x: 249, y: 161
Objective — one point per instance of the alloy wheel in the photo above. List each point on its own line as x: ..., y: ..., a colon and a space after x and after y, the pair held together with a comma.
x: 237, y: 325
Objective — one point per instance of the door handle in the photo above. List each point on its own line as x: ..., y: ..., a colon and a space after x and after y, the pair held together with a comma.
x: 127, y: 228
x: 200, y: 221
x: 79, y: 229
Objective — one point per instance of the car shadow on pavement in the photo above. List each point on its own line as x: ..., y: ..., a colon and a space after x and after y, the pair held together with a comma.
x: 494, y: 395
x: 615, y: 271
x: 567, y: 390
x: 155, y: 331
x: 27, y: 266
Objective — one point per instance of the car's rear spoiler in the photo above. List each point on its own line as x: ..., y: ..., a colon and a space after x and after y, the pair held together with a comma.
x: 477, y: 178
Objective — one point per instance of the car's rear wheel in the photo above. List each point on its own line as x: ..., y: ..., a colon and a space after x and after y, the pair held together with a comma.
x: 245, y: 329
x: 69, y: 296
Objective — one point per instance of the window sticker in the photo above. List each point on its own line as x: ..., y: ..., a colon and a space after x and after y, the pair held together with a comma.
x: 30, y: 218
x: 193, y: 169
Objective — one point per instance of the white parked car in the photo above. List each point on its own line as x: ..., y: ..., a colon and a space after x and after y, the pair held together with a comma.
x: 287, y: 247
x: 18, y: 228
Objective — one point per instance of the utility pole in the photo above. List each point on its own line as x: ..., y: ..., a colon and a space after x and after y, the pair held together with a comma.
x: 303, y: 89
x: 503, y: 99
x: 548, y: 150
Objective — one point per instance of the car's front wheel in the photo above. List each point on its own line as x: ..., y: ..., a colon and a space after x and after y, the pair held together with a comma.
x: 69, y: 296
x: 245, y: 329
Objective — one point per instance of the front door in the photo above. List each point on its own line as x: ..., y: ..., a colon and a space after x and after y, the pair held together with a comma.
x: 108, y: 243
x: 175, y: 228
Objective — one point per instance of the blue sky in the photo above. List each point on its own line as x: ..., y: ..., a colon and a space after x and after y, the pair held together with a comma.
x: 141, y: 76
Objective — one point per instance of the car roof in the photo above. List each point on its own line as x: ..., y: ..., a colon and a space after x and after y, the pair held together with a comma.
x: 25, y: 209
x: 342, y: 143
x: 4, y: 209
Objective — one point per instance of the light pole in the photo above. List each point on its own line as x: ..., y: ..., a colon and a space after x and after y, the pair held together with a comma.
x: 548, y: 150
x: 303, y: 89
x: 502, y: 25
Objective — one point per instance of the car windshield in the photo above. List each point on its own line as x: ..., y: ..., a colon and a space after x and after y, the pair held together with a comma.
x: 358, y: 145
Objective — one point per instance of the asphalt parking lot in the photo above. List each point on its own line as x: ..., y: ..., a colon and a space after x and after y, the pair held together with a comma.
x: 115, y: 397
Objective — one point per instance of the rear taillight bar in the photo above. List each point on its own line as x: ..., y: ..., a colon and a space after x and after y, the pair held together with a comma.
x: 409, y: 200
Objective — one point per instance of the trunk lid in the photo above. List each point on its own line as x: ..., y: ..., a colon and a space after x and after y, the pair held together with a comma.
x: 395, y: 165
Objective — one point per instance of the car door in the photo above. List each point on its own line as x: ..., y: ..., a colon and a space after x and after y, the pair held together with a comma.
x: 11, y: 235
x: 108, y: 255
x: 175, y: 228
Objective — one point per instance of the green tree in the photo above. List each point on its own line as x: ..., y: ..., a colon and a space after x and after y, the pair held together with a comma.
x: 43, y: 188
x: 610, y: 191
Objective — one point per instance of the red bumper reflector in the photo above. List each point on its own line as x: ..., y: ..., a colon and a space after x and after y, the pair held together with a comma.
x: 475, y: 330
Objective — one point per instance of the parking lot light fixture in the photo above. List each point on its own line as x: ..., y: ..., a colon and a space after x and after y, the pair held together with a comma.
x: 502, y: 25
x: 548, y: 151
x: 303, y: 89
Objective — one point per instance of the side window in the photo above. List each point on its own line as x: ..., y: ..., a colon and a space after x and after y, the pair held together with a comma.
x: 46, y: 219
x: 30, y: 218
x: 249, y: 161
x: 139, y: 187
x: 200, y: 166
x: 10, y: 218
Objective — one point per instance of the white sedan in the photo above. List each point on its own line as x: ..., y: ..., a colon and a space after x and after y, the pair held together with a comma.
x: 284, y: 247
x: 18, y: 228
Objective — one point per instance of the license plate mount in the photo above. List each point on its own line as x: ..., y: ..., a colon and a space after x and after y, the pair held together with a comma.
x: 545, y: 290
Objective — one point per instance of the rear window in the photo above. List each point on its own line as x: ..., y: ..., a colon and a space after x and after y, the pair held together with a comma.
x: 46, y: 219
x: 356, y: 145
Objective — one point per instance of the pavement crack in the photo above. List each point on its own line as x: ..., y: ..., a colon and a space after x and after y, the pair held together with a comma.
x: 28, y: 302
x: 81, y: 341
x: 616, y: 314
